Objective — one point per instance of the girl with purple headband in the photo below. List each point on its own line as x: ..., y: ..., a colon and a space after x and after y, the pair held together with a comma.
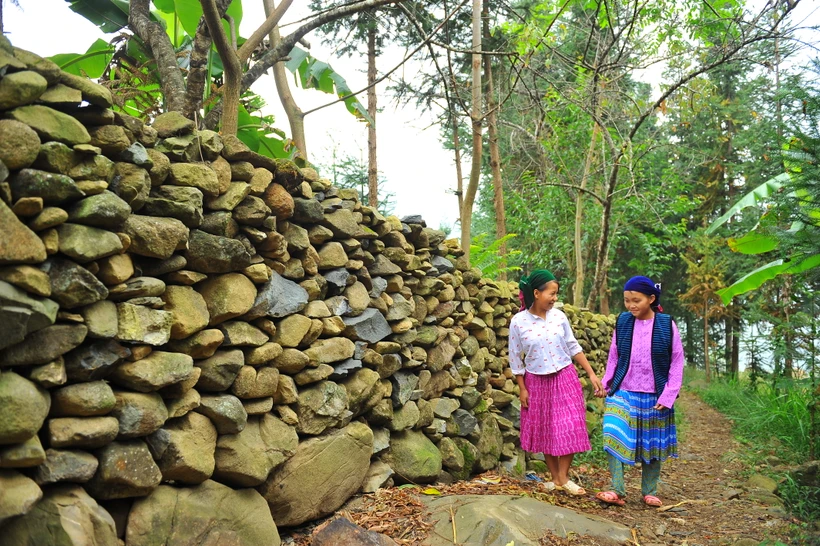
x: 553, y: 409
x: 643, y: 378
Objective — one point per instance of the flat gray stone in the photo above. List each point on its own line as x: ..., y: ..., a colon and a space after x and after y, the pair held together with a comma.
x: 500, y: 520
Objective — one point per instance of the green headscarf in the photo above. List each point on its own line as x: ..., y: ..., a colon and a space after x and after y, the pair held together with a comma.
x: 534, y: 281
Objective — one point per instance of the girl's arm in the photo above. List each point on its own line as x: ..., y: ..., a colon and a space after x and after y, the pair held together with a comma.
x: 597, y: 388
x: 673, y: 384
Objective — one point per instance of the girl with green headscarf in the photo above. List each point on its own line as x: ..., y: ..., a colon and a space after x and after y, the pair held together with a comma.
x: 553, y: 408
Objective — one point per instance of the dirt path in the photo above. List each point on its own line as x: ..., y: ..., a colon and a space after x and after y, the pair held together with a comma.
x: 707, y: 481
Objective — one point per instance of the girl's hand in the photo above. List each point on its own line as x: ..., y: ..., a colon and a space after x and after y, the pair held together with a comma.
x: 524, y: 396
x: 597, y: 387
x: 659, y: 407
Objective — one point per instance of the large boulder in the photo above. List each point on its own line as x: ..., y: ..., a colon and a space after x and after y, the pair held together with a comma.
x: 67, y: 516
x: 331, y: 468
x: 23, y: 408
x: 208, y: 514
x: 413, y: 457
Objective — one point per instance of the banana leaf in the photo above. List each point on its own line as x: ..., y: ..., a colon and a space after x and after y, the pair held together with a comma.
x: 756, y: 278
x: 763, y: 191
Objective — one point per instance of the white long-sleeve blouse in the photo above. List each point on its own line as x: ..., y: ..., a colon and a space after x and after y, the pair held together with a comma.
x: 541, y: 345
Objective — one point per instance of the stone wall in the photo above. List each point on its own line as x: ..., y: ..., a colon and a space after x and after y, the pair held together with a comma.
x: 194, y: 337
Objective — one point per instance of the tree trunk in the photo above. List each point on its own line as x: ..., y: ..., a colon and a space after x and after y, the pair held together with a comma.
x: 296, y: 118
x: 736, y: 346
x: 232, y: 70
x: 495, y: 155
x: 729, y: 324
x: 578, y: 291
x: 475, y: 169
x: 788, y: 334
x: 706, y: 341
x: 372, y: 166
x: 690, y: 340
x: 457, y: 153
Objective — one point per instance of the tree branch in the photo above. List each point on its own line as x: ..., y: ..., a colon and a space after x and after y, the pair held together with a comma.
x: 154, y: 36
x: 264, y: 29
x: 198, y: 66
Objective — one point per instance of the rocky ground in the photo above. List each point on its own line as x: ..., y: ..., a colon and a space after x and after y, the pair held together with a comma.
x: 708, y: 495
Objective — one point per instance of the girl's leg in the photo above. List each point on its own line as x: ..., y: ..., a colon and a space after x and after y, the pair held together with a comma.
x: 616, y: 470
x: 559, y: 467
x: 650, y: 476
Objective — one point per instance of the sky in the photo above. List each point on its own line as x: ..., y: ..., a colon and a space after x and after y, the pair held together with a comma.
x: 419, y: 172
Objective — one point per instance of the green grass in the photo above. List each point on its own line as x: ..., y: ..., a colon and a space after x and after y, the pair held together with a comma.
x: 770, y: 422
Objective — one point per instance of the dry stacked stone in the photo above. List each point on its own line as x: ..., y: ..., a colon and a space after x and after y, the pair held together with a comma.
x: 197, y: 341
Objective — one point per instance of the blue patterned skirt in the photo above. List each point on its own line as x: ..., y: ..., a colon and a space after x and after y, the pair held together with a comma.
x: 635, y: 432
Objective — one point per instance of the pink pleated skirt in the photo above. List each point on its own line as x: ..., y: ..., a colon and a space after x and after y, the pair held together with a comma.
x: 555, y: 422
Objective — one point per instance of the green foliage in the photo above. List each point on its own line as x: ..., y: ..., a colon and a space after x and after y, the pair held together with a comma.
x: 110, y: 15
x: 485, y: 255
x: 91, y: 64
x: 773, y: 418
x: 312, y: 73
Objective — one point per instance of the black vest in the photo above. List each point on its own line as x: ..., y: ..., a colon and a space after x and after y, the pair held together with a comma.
x: 661, y: 349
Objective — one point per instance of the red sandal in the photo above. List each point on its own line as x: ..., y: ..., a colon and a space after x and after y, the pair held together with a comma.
x: 610, y: 497
x: 653, y: 501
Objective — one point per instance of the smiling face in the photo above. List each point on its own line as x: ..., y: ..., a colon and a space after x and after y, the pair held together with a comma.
x: 639, y: 304
x: 546, y: 298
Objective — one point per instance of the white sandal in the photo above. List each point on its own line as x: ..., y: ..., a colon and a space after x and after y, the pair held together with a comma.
x: 572, y: 488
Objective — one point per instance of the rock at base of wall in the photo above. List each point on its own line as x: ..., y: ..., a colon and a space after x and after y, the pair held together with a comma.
x: 331, y: 467
x: 208, y: 514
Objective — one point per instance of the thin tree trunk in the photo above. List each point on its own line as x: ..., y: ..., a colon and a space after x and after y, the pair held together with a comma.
x: 296, y: 119
x: 578, y: 291
x: 729, y: 323
x: 232, y: 70
x: 457, y: 153
x: 690, y: 340
x: 495, y: 155
x: 475, y: 115
x: 372, y: 166
x: 788, y: 334
x: 736, y: 346
x: 706, y: 341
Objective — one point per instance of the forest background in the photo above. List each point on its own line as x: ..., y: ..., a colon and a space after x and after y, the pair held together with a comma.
x: 599, y: 138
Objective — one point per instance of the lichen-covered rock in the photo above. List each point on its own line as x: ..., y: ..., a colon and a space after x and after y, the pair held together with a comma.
x: 215, y: 254
x: 331, y: 467
x: 138, y: 414
x: 85, y: 244
x: 51, y: 124
x: 188, y: 309
x: 137, y: 323
x: 413, y: 457
x: 105, y: 210
x: 44, y: 345
x: 321, y: 406
x: 18, y: 244
x: 278, y: 297
x: 225, y: 411
x: 19, y: 144
x: 157, y: 370
x: 188, y: 445
x: 73, y: 285
x: 83, y: 400
x: 24, y: 408
x: 209, y: 513
x: 227, y: 296
x: 245, y: 459
x: 64, y: 465
x: 20, y: 494
x: 82, y: 432
x: 21, y: 314
x: 126, y: 470
x: 196, y: 175
x: 155, y: 237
